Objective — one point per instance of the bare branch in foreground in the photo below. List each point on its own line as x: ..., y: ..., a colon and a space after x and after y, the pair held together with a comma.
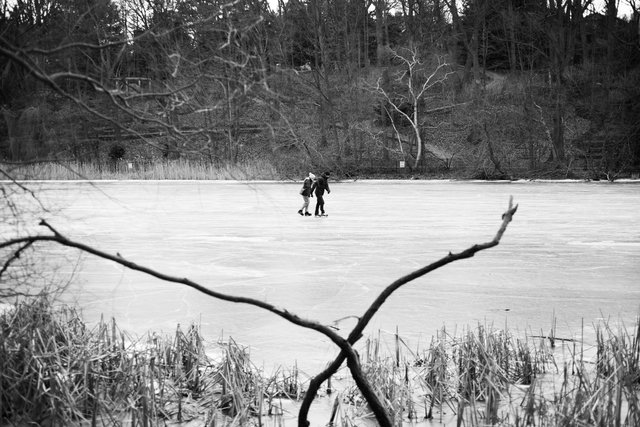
x: 356, y: 333
x: 345, y: 347
x: 14, y: 257
x: 347, y: 352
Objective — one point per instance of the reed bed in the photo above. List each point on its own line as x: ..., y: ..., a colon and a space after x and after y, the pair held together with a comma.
x: 180, y: 169
x: 489, y: 376
x: 54, y: 370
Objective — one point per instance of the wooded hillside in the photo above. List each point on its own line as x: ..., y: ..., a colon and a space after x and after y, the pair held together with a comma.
x: 479, y: 88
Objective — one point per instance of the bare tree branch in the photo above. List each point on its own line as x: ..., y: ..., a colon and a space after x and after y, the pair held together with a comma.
x: 346, y: 348
x: 14, y: 257
x: 356, y: 333
x: 415, y: 92
x: 25, y: 58
x: 347, y: 351
x: 20, y: 186
x: 52, y: 81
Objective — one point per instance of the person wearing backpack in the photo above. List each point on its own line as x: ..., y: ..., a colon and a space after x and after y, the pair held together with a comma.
x: 306, y: 192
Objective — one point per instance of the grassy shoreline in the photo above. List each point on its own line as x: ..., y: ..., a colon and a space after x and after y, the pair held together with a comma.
x: 257, y: 170
x: 55, y: 369
x: 170, y: 170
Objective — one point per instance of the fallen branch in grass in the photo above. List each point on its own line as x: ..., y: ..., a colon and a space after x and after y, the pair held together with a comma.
x: 347, y: 352
x: 552, y: 338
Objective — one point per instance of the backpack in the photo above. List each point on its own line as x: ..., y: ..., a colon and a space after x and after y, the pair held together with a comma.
x: 305, y: 185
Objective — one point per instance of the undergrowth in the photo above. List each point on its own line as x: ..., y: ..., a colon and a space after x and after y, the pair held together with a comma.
x: 55, y: 370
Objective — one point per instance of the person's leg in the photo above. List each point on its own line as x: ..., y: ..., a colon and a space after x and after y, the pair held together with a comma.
x: 319, y: 203
x: 305, y: 205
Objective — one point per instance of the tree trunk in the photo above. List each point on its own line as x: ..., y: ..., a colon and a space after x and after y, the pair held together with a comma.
x: 586, y: 47
x: 611, y: 14
x: 380, y: 44
x: 416, y: 130
x: 321, y: 69
x: 475, y: 62
x: 559, y: 37
x: 365, y: 36
x: 558, y: 130
x: 471, y: 44
x: 511, y: 32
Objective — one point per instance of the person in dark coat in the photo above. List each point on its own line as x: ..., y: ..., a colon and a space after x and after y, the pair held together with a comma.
x: 319, y: 186
x: 306, y: 192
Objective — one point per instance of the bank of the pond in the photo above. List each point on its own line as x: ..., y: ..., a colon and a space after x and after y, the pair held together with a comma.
x: 183, y: 169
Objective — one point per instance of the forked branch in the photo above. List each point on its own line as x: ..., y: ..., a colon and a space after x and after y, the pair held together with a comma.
x: 356, y: 333
x: 347, y: 352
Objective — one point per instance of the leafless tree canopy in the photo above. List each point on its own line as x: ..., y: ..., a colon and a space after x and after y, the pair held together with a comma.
x: 228, y: 82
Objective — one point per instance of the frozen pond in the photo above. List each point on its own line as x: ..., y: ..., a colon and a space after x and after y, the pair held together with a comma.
x: 572, y: 251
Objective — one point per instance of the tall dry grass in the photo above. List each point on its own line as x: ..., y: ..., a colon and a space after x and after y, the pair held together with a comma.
x: 180, y: 169
x: 489, y: 376
x: 54, y: 370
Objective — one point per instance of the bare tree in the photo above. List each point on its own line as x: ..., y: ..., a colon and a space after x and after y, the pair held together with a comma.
x: 409, y: 88
x: 202, y: 66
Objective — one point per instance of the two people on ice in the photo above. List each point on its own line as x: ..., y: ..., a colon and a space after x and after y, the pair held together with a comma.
x: 312, y: 186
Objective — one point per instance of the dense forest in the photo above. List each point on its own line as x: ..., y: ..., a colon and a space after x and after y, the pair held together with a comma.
x: 472, y: 89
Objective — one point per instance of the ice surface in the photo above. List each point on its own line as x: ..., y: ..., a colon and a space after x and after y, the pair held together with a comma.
x: 572, y: 251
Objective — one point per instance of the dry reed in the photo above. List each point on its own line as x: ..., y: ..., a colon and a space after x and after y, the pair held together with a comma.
x: 180, y: 169
x: 490, y: 377
x: 55, y: 370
